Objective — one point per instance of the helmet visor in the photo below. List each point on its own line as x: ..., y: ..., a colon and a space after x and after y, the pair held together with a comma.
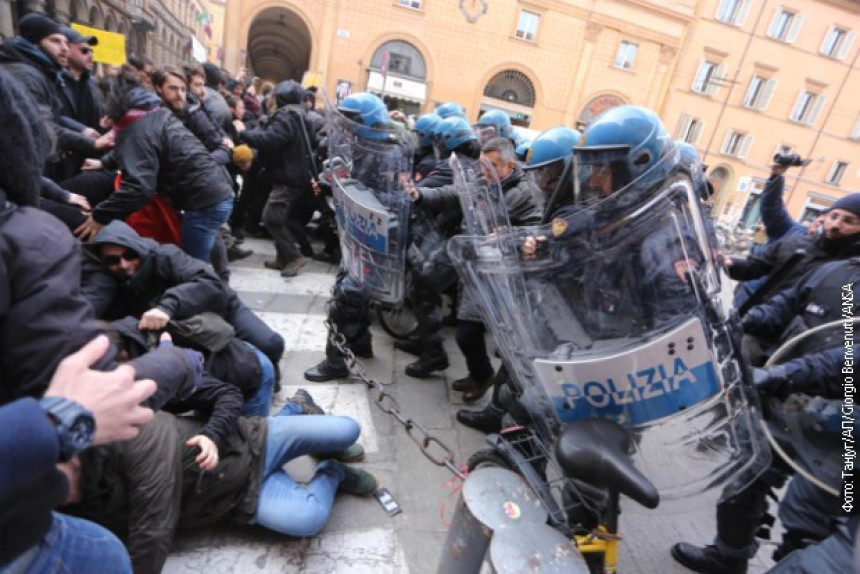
x: 485, y: 132
x: 599, y: 172
x: 547, y: 175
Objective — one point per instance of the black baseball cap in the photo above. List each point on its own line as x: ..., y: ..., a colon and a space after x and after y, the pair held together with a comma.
x: 75, y: 37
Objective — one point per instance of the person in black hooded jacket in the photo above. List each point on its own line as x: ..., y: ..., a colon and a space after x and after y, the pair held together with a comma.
x: 156, y: 153
x: 35, y: 58
x: 126, y: 274
x: 285, y: 147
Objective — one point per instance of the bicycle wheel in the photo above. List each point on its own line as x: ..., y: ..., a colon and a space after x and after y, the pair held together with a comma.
x: 400, y: 323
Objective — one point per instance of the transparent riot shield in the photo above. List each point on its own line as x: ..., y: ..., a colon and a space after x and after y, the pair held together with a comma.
x: 815, y: 433
x: 481, y: 199
x: 369, y: 167
x: 613, y: 311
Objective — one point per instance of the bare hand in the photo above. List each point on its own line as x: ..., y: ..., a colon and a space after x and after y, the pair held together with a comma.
x: 91, y: 164
x: 88, y: 229
x: 727, y: 261
x: 530, y: 246
x: 412, y: 191
x: 239, y: 125
x: 80, y: 201
x: 104, y: 142
x: 682, y: 266
x: 316, y: 187
x: 153, y: 320
x: 228, y: 142
x: 208, y: 457
x: 91, y: 133
x: 113, y: 397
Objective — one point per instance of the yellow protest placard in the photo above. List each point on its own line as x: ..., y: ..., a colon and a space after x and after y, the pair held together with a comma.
x: 111, y: 46
x: 310, y: 79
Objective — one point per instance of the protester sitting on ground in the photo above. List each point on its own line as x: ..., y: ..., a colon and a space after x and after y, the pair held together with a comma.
x: 125, y: 274
x: 148, y: 487
x: 224, y: 356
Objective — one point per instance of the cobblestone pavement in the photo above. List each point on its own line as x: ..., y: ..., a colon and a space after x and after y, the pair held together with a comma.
x: 360, y: 537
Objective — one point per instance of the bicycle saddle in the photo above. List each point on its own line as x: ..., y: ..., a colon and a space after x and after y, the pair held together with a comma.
x: 595, y: 451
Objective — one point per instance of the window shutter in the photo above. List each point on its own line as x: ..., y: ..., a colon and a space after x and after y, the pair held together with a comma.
x: 697, y: 133
x: 724, y: 149
x: 771, y: 30
x: 720, y: 9
x: 746, y: 144
x: 791, y: 37
x: 716, y: 79
x: 700, y: 77
x: 816, y: 109
x: 769, y: 88
x: 743, y: 12
x: 823, y: 47
x: 748, y: 102
x: 797, y: 107
x: 846, y: 45
x: 683, y: 125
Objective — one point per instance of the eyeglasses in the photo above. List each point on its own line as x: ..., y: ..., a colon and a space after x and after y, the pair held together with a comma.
x: 85, y: 51
x: 127, y: 255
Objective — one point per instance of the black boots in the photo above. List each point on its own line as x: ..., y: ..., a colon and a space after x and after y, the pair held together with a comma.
x: 434, y: 360
x: 328, y: 370
x: 487, y: 421
x: 708, y: 559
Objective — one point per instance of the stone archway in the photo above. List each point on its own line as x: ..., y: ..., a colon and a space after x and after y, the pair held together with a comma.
x: 279, y: 45
x: 596, y: 106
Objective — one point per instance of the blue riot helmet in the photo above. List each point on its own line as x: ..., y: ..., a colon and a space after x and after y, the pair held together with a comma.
x: 449, y: 109
x: 620, y: 148
x: 549, y: 154
x: 453, y: 132
x: 689, y: 157
x: 492, y: 124
x: 426, y: 128
x: 369, y: 113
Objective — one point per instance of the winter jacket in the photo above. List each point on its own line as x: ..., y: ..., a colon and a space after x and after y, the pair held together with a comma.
x: 156, y: 153
x: 217, y: 109
x: 167, y: 278
x: 195, y: 119
x: 814, y: 301
x: 786, y: 261
x: 43, y: 79
x: 284, y: 146
x: 30, y: 484
x: 774, y: 215
x: 519, y: 194
x: 144, y: 488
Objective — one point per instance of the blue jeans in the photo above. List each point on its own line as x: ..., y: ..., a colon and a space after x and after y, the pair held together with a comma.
x: 284, y: 505
x: 259, y: 403
x: 73, y: 545
x: 199, y: 227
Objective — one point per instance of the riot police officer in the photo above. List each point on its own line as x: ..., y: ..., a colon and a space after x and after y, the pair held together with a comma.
x: 377, y: 156
x: 449, y: 109
x: 494, y: 123
x: 426, y: 129
x: 818, y: 373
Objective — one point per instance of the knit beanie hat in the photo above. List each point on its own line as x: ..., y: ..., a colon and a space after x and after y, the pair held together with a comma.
x: 242, y: 154
x: 849, y: 203
x: 35, y: 27
x: 213, y: 74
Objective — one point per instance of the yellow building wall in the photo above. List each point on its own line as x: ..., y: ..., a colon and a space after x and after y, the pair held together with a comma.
x: 571, y: 61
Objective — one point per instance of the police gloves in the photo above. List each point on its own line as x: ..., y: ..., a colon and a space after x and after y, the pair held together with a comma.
x: 773, y: 382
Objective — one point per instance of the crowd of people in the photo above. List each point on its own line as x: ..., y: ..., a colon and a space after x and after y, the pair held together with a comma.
x: 124, y: 199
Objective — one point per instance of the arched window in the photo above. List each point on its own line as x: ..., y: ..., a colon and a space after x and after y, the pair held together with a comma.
x: 404, y: 59
x: 513, y: 87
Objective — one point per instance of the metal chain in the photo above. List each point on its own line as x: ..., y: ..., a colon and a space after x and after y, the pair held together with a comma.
x: 430, y: 445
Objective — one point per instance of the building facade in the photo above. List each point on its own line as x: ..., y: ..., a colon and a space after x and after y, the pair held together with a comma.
x: 764, y: 77
x: 739, y: 79
x: 545, y: 62
x: 158, y: 29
